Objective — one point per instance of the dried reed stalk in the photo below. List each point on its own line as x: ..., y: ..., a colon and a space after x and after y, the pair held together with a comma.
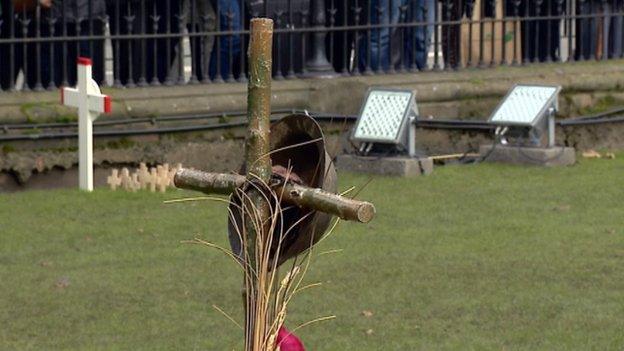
x: 266, y: 295
x: 266, y: 312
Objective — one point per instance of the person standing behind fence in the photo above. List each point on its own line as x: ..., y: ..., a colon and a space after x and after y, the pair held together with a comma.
x: 5, y: 51
x: 452, y: 11
x: 209, y: 54
x: 24, y: 19
x: 587, y: 37
x: 617, y: 31
x: 139, y: 60
x: 612, y: 27
x: 290, y: 50
x: 599, y: 33
x: 541, y: 33
x: 77, y: 18
x: 374, y: 45
x: 197, y: 16
x: 388, y: 44
x: 418, y: 41
x: 228, y: 47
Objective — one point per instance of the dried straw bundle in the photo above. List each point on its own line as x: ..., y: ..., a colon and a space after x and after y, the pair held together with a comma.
x: 266, y: 294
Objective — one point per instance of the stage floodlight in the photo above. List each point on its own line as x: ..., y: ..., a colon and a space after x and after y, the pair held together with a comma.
x: 526, y: 105
x: 385, y: 117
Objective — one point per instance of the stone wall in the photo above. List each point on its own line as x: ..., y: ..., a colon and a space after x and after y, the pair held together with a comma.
x: 467, y: 93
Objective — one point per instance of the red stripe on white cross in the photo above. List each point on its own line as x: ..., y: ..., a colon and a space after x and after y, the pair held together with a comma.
x: 84, y: 61
x: 107, y: 104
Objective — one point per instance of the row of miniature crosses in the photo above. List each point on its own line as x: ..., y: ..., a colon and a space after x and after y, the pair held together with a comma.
x: 159, y: 177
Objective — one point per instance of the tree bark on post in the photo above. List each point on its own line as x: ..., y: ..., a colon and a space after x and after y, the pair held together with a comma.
x: 255, y: 206
x: 294, y: 194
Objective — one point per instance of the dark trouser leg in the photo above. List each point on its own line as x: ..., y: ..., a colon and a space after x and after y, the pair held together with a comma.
x: 451, y: 11
x: 617, y: 29
x: 5, y: 49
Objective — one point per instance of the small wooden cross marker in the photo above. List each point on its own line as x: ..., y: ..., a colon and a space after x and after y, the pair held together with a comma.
x: 114, y: 180
x: 144, y: 175
x: 126, y: 179
x: 90, y: 103
x: 162, y: 177
x: 153, y: 179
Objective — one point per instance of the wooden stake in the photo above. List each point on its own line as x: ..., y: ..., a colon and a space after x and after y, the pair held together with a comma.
x: 257, y: 147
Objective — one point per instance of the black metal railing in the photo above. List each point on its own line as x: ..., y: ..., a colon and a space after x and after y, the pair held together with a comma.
x: 171, y: 42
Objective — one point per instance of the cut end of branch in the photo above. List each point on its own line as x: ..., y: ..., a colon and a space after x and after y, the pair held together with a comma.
x: 261, y: 24
x: 366, y: 212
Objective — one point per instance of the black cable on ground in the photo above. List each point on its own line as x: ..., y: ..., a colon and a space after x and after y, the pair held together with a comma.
x: 490, y: 151
x: 132, y: 132
x: 463, y: 159
x: 589, y: 121
x: 474, y: 125
x: 153, y: 120
x: 617, y: 110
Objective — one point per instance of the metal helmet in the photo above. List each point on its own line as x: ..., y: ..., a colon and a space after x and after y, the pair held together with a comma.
x: 297, y: 153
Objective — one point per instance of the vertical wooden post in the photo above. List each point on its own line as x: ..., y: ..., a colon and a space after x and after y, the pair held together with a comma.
x: 259, y: 98
x: 257, y: 209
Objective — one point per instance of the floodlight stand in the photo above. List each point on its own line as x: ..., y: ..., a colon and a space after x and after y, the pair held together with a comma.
x: 520, y: 132
x: 499, y: 135
x: 411, y: 135
x: 551, y: 127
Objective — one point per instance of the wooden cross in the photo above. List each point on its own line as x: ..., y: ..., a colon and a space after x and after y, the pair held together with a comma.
x: 135, y: 182
x: 90, y: 103
x: 162, y: 177
x: 126, y: 179
x: 259, y: 171
x: 114, y: 180
x: 153, y: 179
x: 173, y: 172
x: 143, y: 175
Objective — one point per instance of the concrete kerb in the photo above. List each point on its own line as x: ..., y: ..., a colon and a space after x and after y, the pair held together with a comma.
x: 387, y: 166
x: 545, y: 157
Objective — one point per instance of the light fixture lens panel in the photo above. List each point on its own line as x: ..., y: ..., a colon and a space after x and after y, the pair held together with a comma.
x: 382, y: 115
x: 524, y: 104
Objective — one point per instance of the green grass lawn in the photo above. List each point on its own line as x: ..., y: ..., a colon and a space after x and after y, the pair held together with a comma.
x: 476, y: 257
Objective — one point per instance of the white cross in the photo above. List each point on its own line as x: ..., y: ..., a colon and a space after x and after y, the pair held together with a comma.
x: 90, y: 103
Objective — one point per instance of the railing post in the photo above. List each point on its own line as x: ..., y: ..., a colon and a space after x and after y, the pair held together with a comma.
x: 318, y: 64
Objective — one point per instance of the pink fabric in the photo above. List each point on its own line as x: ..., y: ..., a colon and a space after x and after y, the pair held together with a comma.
x: 288, y: 342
